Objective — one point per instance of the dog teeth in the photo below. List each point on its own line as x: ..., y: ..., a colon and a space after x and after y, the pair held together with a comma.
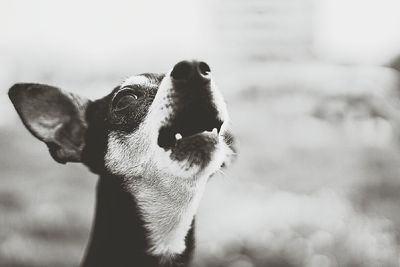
x: 178, y: 136
x: 213, y: 131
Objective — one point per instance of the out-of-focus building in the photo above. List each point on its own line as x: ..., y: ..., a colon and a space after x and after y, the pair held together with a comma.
x: 340, y: 31
x: 265, y: 30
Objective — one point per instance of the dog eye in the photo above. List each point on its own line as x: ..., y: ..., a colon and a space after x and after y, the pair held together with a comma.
x: 125, y: 101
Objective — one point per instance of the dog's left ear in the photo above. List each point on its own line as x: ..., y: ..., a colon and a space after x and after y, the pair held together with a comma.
x: 53, y: 116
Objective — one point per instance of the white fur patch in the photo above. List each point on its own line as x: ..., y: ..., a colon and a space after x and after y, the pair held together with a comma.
x: 166, y: 191
x: 220, y: 104
x: 139, y: 80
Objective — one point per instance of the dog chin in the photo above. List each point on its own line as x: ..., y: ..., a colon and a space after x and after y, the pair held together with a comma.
x: 186, y: 162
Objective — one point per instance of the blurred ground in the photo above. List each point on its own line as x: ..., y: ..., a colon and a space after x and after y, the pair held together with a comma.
x: 304, y: 191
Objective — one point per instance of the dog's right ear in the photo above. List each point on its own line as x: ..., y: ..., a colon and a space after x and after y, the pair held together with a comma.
x: 54, y: 117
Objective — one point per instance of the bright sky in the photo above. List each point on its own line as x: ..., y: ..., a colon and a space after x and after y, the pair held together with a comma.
x: 103, y: 31
x: 358, y: 31
x: 348, y: 31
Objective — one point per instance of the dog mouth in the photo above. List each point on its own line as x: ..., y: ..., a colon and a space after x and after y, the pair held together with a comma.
x: 196, y: 131
x: 192, y: 117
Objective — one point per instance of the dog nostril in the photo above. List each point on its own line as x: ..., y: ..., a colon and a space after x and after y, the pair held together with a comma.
x: 182, y: 71
x: 204, y: 69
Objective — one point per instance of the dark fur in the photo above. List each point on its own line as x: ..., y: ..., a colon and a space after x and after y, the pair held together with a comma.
x: 77, y: 130
x: 118, y: 235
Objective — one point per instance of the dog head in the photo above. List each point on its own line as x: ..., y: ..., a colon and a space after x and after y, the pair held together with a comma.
x: 172, y: 124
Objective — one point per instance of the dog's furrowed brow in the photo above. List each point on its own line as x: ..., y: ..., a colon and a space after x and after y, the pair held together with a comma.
x: 143, y: 80
x: 138, y: 80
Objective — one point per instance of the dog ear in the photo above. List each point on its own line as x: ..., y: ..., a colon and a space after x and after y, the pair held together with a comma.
x: 55, y: 117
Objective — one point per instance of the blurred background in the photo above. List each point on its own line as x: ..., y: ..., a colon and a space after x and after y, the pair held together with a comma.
x: 313, y: 91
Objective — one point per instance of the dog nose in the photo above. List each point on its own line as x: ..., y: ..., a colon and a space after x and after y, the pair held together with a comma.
x: 188, y: 70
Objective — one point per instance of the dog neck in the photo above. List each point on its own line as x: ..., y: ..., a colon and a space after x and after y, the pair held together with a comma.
x: 167, y: 207
x: 120, y: 235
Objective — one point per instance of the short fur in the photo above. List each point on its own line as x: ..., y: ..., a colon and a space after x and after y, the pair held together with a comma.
x: 150, y: 183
